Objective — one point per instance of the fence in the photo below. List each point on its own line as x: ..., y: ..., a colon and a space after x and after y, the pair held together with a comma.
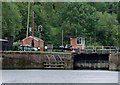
x: 97, y: 49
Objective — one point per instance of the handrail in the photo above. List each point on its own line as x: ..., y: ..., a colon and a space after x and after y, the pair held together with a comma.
x: 95, y: 49
x: 98, y: 47
x: 60, y: 58
x: 54, y: 57
x: 48, y: 57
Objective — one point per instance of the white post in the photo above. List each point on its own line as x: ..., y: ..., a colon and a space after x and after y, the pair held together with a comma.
x: 28, y: 19
x: 62, y: 37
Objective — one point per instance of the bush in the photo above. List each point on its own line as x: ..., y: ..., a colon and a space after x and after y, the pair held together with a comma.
x: 16, y: 45
x: 97, y: 44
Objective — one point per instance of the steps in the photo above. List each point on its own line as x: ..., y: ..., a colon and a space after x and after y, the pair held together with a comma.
x: 54, y: 65
x: 53, y: 62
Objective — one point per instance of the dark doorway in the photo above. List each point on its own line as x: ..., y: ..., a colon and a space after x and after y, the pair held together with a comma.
x: 32, y: 43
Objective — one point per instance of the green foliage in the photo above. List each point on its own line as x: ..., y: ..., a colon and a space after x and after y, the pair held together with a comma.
x: 101, y: 7
x: 76, y: 19
x: 96, y: 44
x: 97, y: 20
x: 106, y: 29
x: 118, y: 12
x: 23, y: 9
x: 11, y: 19
x: 109, y: 7
x: 118, y: 18
x: 16, y: 45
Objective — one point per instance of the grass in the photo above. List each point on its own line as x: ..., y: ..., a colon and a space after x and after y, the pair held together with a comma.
x: 34, y: 52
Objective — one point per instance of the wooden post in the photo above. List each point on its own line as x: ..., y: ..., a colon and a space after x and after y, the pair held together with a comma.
x: 33, y: 30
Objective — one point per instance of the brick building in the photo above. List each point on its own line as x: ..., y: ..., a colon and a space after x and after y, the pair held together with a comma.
x: 37, y: 42
x: 77, y: 42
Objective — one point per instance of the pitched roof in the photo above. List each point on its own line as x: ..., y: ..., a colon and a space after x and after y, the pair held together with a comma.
x: 4, y: 40
x: 36, y: 38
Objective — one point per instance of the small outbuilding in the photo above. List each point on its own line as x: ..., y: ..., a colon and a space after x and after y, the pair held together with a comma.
x: 6, y: 43
x: 77, y: 42
x: 38, y: 43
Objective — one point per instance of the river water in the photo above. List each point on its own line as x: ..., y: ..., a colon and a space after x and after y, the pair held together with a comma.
x: 59, y: 76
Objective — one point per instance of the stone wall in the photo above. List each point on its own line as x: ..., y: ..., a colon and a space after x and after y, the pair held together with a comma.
x: 31, y: 60
x: 35, y: 60
x: 114, y: 61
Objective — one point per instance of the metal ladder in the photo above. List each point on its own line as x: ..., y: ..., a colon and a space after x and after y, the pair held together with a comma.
x: 56, y: 64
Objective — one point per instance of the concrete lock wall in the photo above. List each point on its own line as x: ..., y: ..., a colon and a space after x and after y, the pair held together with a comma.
x: 32, y: 60
x: 91, y: 61
x: 96, y: 61
x: 114, y: 61
x: 35, y: 60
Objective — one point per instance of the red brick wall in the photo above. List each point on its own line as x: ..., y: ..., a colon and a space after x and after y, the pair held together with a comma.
x: 42, y: 45
x: 73, y: 43
x: 29, y: 40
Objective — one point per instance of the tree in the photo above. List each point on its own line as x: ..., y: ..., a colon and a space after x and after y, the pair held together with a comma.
x: 95, y: 20
x: 12, y: 20
x: 77, y: 19
x: 23, y: 9
x: 106, y: 29
x: 118, y: 18
x: 100, y: 6
x: 109, y: 7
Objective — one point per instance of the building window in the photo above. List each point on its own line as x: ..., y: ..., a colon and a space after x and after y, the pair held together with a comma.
x: 79, y: 41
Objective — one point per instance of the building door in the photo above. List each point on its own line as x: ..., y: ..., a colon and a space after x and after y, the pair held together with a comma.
x: 32, y: 43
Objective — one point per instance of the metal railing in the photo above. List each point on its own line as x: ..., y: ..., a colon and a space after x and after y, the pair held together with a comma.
x: 54, y: 58
x: 60, y: 58
x: 102, y: 49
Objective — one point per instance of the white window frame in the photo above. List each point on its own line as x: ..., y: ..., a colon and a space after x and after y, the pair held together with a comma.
x: 80, y: 41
